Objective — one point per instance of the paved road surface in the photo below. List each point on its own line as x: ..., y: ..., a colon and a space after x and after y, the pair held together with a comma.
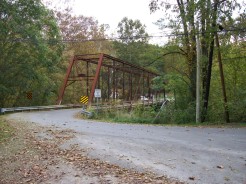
x: 177, y: 152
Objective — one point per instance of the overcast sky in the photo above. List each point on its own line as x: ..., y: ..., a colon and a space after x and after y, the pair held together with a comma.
x: 111, y: 12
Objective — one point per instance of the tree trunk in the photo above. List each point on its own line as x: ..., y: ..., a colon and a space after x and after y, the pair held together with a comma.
x: 222, y: 81
x: 190, y: 45
x: 210, y: 62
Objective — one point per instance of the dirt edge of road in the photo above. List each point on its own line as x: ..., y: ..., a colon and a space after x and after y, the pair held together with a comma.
x: 35, y: 155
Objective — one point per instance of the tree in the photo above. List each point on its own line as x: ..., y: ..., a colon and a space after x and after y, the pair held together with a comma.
x: 82, y: 34
x: 183, y: 25
x: 30, y: 52
x: 235, y: 29
x: 233, y: 54
x: 132, y: 31
x: 184, y: 28
x: 133, y: 40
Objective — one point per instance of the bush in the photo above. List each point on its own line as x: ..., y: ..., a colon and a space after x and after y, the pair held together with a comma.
x: 147, y: 114
x: 172, y: 115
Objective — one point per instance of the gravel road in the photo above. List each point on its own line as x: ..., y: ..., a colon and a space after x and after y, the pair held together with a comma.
x: 193, y: 155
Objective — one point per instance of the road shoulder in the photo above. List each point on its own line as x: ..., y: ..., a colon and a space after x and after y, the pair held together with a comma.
x: 34, y: 155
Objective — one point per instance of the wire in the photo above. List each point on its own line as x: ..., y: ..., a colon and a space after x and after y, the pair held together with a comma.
x: 152, y: 62
x: 234, y: 58
x: 241, y: 30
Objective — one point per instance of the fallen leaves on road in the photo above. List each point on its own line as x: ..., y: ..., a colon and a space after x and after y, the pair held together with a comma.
x: 220, y: 166
x: 192, y: 178
x: 42, y: 160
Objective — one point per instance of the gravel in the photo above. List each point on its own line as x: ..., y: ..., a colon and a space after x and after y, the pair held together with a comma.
x: 192, y: 155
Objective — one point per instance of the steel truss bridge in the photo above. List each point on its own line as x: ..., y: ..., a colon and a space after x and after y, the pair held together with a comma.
x: 118, y: 80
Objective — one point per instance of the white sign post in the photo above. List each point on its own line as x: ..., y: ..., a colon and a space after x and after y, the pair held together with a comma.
x: 97, y: 94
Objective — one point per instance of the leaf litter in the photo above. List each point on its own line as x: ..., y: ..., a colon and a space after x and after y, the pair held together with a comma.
x: 28, y: 158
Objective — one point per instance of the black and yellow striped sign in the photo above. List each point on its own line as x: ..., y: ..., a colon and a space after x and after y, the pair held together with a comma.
x: 84, y: 99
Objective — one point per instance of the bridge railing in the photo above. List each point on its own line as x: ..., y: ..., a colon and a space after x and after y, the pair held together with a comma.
x: 37, y: 108
x: 116, y: 105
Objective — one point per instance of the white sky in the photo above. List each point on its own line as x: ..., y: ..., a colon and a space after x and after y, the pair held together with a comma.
x: 111, y: 12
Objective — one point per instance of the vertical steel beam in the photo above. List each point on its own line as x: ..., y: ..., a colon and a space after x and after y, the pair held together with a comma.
x: 131, y: 87
x: 138, y: 90
x: 87, y: 78
x: 78, y: 70
x: 99, y: 80
x: 148, y: 84
x: 62, y: 90
x: 123, y: 93
x: 102, y: 86
x: 109, y: 83
x: 143, y: 93
x: 95, y: 79
x: 113, y: 80
x: 133, y: 81
x: 116, y: 84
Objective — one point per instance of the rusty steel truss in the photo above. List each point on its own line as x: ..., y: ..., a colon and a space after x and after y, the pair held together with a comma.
x: 116, y: 78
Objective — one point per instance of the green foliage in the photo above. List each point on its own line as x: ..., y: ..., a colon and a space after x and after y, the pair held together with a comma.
x: 133, y: 45
x: 158, y: 83
x: 169, y: 115
x: 30, y: 48
x: 233, y: 58
x: 147, y: 115
x: 139, y: 53
x: 130, y: 31
x: 212, y: 17
x: 173, y: 115
x: 138, y: 114
x: 179, y: 110
x: 31, y: 57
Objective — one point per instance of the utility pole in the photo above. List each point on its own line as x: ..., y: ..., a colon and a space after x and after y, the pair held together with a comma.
x: 198, y: 81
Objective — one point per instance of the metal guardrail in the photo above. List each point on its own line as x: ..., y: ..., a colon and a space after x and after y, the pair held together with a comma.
x: 87, y: 113
x: 37, y: 108
x: 68, y: 106
x: 126, y: 105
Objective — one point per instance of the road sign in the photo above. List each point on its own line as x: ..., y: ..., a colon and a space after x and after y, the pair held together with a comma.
x: 84, y: 99
x: 29, y: 95
x: 97, y: 93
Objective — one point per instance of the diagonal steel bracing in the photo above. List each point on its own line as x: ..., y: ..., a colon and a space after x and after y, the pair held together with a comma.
x: 116, y: 78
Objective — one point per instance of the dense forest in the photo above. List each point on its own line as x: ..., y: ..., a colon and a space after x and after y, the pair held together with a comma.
x: 36, y: 42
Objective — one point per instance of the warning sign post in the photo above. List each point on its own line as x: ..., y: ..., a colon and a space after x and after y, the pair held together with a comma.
x: 97, y: 94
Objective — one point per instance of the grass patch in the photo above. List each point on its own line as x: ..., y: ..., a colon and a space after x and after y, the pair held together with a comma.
x: 210, y: 124
x: 135, y: 116
x: 6, y: 130
x: 146, y: 115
